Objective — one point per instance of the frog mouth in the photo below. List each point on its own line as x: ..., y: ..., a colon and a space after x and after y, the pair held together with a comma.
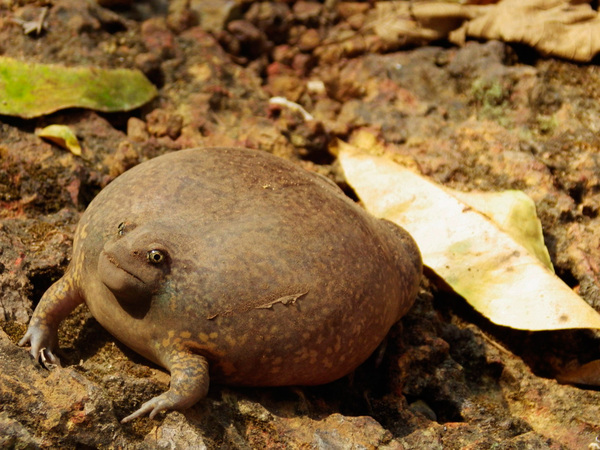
x: 108, y: 263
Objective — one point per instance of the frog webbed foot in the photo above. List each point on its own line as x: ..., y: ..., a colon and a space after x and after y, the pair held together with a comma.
x: 189, y: 383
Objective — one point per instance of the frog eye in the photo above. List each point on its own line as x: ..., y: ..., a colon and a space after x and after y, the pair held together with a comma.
x: 155, y: 256
x: 121, y: 229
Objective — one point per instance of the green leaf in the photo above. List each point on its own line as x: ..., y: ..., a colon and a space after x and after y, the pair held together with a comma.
x: 31, y: 89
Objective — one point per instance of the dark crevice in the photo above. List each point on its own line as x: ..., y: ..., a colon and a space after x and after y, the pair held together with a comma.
x: 567, y: 276
x: 445, y: 411
x: 349, y: 191
x: 41, y: 280
x: 525, y: 53
x: 114, y: 27
x: 577, y: 192
x: 321, y: 157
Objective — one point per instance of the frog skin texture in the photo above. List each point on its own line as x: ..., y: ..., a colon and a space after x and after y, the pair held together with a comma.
x: 234, y: 265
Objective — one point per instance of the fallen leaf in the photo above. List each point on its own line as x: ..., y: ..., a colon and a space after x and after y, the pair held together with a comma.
x: 401, y: 23
x: 61, y: 135
x: 554, y: 27
x: 514, y: 212
x: 31, y: 89
x: 561, y: 28
x: 478, y: 259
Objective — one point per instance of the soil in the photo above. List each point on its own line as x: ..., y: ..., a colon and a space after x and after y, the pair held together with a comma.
x: 487, y: 116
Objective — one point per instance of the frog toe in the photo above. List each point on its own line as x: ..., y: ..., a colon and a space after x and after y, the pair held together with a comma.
x: 46, y: 356
x: 189, y: 383
x: 153, y: 407
x: 42, y: 344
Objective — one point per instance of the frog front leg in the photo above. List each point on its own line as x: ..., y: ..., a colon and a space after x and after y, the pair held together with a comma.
x: 189, y: 383
x: 56, y: 304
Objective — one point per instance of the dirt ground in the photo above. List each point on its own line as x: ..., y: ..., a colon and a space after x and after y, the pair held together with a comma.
x: 486, y: 116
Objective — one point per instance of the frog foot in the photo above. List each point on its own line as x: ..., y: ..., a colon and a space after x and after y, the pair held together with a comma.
x: 189, y: 383
x: 161, y: 403
x: 43, y: 342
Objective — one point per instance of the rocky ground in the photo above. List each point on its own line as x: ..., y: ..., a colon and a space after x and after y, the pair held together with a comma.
x: 485, y: 116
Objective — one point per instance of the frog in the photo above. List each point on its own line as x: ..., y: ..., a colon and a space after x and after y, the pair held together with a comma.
x: 232, y: 266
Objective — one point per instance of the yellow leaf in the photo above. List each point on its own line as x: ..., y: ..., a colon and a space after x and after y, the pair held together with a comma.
x: 514, y: 212
x: 483, y: 263
x: 61, y: 135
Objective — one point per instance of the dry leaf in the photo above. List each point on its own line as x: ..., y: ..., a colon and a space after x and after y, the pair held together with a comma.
x: 409, y: 23
x: 61, y: 135
x: 553, y: 27
x: 561, y: 28
x: 496, y: 274
x: 514, y: 212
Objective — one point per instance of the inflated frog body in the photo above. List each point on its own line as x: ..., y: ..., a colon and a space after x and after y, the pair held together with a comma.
x: 233, y: 265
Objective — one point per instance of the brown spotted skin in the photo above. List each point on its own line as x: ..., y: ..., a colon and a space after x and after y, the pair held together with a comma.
x: 236, y: 265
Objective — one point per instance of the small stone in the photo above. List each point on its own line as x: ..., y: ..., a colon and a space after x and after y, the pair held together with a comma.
x: 215, y: 14
x: 284, y: 53
x: 356, y: 21
x: 180, y: 16
x: 157, y: 38
x: 147, y: 62
x: 244, y: 30
x: 287, y: 86
x: 302, y: 63
x: 273, y: 18
x: 326, y: 109
x: 316, y: 87
x: 253, y: 41
x: 136, y: 130
x: 307, y: 11
x: 124, y: 158
x: 229, y: 42
x: 309, y: 40
x: 276, y: 68
x: 349, y: 9
x: 164, y: 123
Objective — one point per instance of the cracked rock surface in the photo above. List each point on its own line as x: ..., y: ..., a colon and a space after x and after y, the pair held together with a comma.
x: 485, y: 116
